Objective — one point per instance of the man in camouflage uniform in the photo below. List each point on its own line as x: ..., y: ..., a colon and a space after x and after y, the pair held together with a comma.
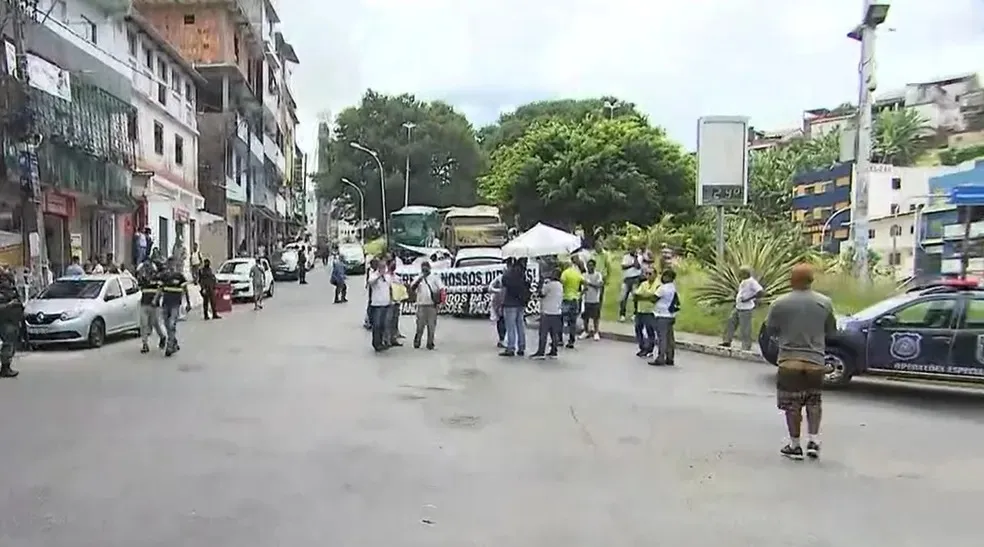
x: 11, y: 314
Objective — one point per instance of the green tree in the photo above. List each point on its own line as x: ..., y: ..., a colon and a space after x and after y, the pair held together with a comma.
x: 595, y: 173
x: 445, y: 159
x: 511, y: 126
x: 771, y: 172
x: 900, y: 137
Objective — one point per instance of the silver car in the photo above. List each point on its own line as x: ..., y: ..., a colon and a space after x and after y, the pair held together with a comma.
x: 85, y: 308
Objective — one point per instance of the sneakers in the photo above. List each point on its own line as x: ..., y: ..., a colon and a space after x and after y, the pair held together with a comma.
x: 538, y: 356
x: 724, y: 345
x: 792, y: 452
x: 507, y: 353
x: 552, y: 354
x: 641, y: 353
x: 596, y: 337
x: 621, y: 319
x: 144, y: 348
x: 813, y: 450
x: 569, y: 345
x: 583, y: 336
x: 162, y: 343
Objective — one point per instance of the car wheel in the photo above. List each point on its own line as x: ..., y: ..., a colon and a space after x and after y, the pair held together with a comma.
x: 97, y: 333
x: 841, y: 367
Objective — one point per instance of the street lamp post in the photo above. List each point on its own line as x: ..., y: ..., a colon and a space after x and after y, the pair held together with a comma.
x: 362, y: 210
x: 611, y: 106
x: 406, y: 185
x: 875, y: 12
x: 826, y: 225
x: 382, y: 185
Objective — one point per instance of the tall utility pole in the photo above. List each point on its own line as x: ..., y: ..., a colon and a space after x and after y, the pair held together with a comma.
x: 34, y: 244
x: 250, y: 236
x: 406, y: 185
x: 875, y: 12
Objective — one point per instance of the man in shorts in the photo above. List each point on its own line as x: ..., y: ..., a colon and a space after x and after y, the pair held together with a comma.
x: 594, y: 285
x: 800, y: 322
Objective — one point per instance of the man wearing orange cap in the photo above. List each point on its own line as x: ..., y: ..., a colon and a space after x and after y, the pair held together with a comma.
x: 800, y: 322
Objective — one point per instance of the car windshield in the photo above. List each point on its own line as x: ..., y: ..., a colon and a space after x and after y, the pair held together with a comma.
x: 73, y: 288
x: 238, y: 267
x: 478, y: 261
x: 350, y: 251
x: 884, y: 306
x: 289, y: 255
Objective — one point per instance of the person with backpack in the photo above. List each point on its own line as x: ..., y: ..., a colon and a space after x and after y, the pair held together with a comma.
x: 665, y: 310
x: 515, y: 296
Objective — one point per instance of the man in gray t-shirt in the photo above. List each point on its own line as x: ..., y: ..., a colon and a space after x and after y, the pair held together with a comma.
x: 800, y: 323
x: 593, y: 283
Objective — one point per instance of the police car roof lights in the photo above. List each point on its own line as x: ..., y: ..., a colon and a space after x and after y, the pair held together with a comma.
x: 949, y: 285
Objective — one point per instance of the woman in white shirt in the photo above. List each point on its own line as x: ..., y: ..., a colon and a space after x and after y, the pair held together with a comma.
x: 667, y: 305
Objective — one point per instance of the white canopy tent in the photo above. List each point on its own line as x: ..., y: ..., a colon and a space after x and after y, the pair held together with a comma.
x: 541, y: 240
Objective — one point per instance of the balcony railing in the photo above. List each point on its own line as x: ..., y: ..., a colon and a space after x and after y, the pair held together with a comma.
x: 272, y: 151
x: 256, y: 147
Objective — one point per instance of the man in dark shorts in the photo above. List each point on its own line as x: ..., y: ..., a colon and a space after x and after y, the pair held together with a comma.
x: 800, y: 322
x: 593, y: 285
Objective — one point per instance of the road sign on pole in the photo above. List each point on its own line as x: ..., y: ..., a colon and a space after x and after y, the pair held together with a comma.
x: 722, y: 166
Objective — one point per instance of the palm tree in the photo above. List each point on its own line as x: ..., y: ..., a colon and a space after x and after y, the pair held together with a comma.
x: 900, y: 137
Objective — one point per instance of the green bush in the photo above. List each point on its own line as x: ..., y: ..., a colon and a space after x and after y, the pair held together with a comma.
x: 770, y: 255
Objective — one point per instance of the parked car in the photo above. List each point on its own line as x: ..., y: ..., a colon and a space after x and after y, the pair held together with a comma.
x: 477, y: 256
x: 309, y: 252
x: 353, y: 257
x: 285, y: 266
x: 236, y: 272
x: 933, y: 332
x: 86, y: 309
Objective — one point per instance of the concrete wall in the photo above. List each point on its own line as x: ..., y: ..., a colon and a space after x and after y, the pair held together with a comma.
x: 213, y: 242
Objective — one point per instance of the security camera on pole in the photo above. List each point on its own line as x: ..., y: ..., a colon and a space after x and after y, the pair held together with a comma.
x: 722, y: 166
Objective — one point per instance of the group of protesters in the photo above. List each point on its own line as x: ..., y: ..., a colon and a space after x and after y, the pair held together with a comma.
x: 387, y: 294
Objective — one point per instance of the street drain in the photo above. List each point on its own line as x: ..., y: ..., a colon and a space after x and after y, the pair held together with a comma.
x: 462, y: 421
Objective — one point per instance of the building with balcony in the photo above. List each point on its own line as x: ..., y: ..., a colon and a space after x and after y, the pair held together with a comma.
x: 821, y: 205
x: 165, y: 130
x: 892, y: 193
x: 80, y: 96
x: 242, y: 164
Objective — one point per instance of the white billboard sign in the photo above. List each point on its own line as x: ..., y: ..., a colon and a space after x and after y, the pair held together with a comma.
x: 47, y: 77
x: 722, y: 161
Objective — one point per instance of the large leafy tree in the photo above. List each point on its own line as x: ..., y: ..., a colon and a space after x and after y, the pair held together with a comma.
x: 445, y: 158
x: 771, y: 172
x: 511, y: 126
x: 594, y: 173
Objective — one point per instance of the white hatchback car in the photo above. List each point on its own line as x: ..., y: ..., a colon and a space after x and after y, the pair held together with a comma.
x: 236, y: 272
x: 85, y: 308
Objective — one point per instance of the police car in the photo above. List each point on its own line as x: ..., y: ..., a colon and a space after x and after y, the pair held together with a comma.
x: 932, y: 332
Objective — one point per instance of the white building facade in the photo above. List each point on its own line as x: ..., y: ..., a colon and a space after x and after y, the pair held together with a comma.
x: 166, y: 133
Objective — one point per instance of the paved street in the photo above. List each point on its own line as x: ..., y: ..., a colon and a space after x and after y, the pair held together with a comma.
x: 281, y: 428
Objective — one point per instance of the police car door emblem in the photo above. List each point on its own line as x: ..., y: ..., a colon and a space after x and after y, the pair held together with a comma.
x: 979, y: 352
x: 906, y: 345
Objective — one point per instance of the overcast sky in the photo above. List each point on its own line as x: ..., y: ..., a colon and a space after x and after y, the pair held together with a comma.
x: 678, y: 60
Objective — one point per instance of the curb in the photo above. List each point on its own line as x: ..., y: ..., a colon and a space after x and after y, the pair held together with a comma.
x: 696, y: 347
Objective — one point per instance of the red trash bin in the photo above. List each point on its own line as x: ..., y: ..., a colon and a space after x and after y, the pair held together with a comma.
x: 223, y: 298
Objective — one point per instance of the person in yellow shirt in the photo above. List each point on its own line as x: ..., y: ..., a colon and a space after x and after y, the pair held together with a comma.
x: 572, y: 281
x: 645, y: 321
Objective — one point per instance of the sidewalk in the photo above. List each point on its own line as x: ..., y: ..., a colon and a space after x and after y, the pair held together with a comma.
x: 625, y: 332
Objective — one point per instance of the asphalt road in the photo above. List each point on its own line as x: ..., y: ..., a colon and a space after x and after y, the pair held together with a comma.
x: 282, y: 428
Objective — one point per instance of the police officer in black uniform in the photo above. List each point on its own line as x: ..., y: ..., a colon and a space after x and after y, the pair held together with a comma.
x: 148, y: 279
x: 174, y: 285
x: 11, y: 315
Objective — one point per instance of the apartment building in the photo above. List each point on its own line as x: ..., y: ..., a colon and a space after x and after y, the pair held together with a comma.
x: 237, y: 47
x: 822, y: 204
x: 165, y: 130
x: 940, y: 227
x: 81, y: 96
